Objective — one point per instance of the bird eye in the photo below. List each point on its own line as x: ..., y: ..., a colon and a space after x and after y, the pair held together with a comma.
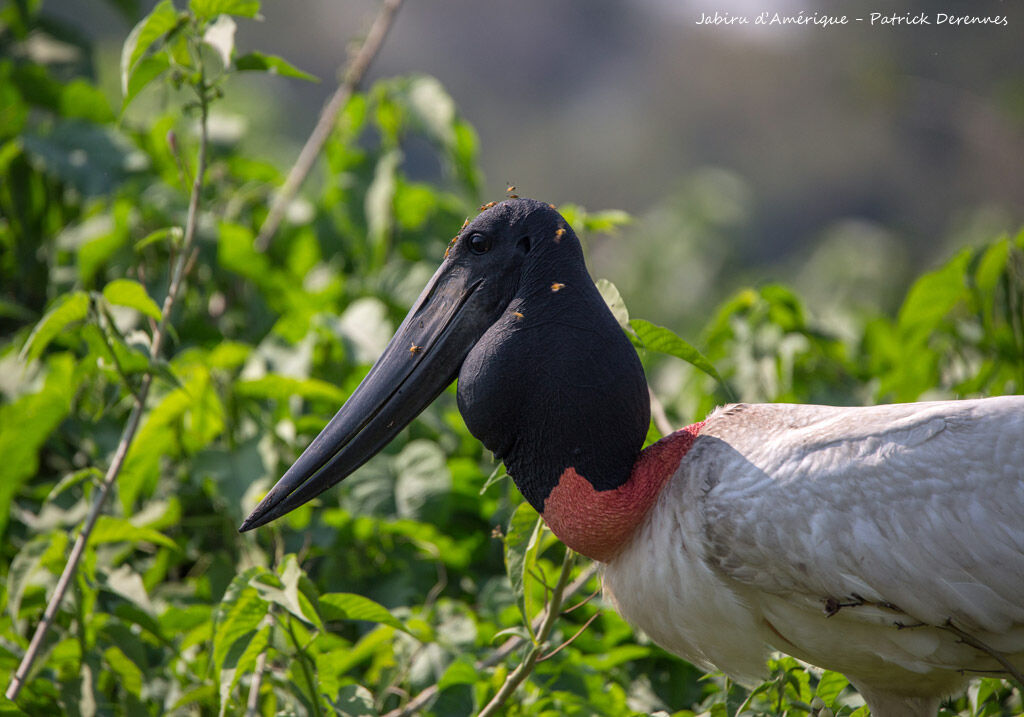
x: 479, y: 243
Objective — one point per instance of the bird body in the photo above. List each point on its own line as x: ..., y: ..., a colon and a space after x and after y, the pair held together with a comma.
x: 863, y: 540
x: 884, y: 542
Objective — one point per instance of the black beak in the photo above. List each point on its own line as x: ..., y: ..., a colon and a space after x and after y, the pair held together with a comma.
x: 422, y: 359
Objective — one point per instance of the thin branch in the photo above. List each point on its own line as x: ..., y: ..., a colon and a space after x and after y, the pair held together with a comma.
x: 568, y: 642
x: 130, y: 429
x: 659, y: 415
x: 300, y: 654
x: 999, y: 657
x: 525, y: 667
x: 311, y: 150
x: 507, y: 648
x: 252, y: 704
x: 582, y: 602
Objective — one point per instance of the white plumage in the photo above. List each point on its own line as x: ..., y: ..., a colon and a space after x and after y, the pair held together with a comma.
x: 863, y: 540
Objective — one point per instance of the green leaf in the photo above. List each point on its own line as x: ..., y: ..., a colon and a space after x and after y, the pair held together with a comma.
x: 130, y: 293
x: 613, y: 299
x: 349, y: 606
x: 111, y: 529
x: 934, y: 295
x: 354, y: 701
x: 991, y: 266
x: 282, y: 388
x: 830, y: 685
x: 262, y: 62
x: 92, y: 473
x: 79, y: 99
x: 27, y: 423
x: 658, y: 338
x: 30, y: 559
x: 209, y: 9
x: 523, y: 530
x: 147, y: 70
x: 129, y: 676
x: 241, y: 659
x: 174, y: 233
x: 461, y: 672
x: 606, y: 221
x: 161, y: 19
x: 70, y: 309
x: 239, y: 613
x: 288, y: 590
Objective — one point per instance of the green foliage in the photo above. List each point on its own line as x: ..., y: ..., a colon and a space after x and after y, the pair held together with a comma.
x: 426, y: 563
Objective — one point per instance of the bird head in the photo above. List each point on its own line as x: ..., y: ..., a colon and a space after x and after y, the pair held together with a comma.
x: 547, y: 379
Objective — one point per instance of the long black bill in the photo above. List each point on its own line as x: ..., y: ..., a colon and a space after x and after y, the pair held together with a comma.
x: 422, y: 358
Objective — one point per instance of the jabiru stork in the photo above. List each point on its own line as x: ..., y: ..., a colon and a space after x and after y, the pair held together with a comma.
x: 885, y: 542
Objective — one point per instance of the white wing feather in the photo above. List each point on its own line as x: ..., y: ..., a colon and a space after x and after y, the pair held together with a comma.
x: 819, y: 531
x: 917, y: 506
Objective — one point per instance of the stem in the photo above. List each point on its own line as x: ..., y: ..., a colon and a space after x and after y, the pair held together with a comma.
x: 314, y: 697
x: 112, y: 326
x: 131, y: 427
x: 526, y: 666
x: 311, y: 150
x: 252, y: 703
x: 658, y: 414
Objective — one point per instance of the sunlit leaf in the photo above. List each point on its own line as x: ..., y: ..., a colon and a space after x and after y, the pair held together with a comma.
x: 282, y: 388
x: 349, y: 606
x: 658, y: 338
x: 161, y: 19
x: 291, y: 590
x: 126, y: 292
x: 147, y: 70
x: 934, y: 295
x: 111, y: 529
x: 208, y: 9
x: 830, y: 685
x: 461, y: 672
x: 991, y: 265
x: 129, y: 676
x: 70, y: 309
x: 262, y: 62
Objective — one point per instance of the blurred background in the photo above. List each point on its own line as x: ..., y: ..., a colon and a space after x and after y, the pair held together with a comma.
x: 843, y: 160
x: 800, y: 197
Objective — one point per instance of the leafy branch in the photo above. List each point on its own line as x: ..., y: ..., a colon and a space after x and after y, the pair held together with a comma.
x: 160, y: 26
x: 525, y: 667
x: 131, y: 427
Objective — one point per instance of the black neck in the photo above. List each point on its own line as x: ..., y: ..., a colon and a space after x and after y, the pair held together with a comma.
x: 555, y: 383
